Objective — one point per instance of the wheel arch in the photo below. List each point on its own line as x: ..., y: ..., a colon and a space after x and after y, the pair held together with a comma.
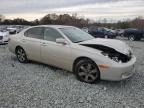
x: 81, y: 58
x: 18, y: 46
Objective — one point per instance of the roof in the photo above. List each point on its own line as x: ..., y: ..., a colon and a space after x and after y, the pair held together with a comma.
x: 54, y: 26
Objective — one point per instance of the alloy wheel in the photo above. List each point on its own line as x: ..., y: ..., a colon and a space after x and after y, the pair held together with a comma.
x: 131, y: 38
x: 88, y: 72
x: 21, y: 55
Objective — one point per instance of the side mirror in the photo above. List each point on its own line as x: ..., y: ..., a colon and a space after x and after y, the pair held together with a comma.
x: 61, y: 41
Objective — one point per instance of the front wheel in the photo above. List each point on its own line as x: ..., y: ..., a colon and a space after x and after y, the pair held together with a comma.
x: 87, y: 71
x: 21, y: 55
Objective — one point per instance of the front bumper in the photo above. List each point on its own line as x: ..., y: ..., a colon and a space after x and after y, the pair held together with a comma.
x: 119, y: 72
x: 3, y: 41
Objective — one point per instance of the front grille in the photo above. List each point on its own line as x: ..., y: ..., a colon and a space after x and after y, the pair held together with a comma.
x: 1, y: 37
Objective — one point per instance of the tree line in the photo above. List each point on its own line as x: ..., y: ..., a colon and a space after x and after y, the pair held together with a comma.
x: 74, y: 20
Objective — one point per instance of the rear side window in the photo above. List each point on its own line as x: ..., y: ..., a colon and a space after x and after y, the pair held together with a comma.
x: 51, y: 34
x: 100, y: 29
x: 93, y: 29
x: 36, y: 32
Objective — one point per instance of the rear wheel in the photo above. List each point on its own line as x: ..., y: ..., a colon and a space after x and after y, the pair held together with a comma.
x: 21, y: 55
x: 87, y: 71
x: 131, y: 38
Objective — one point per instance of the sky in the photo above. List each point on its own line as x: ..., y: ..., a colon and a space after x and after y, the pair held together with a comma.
x: 112, y: 10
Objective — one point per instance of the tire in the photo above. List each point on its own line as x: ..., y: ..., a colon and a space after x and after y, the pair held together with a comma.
x: 132, y: 38
x: 87, y: 71
x: 21, y: 55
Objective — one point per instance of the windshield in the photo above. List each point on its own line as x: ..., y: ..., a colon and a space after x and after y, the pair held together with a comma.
x: 76, y: 35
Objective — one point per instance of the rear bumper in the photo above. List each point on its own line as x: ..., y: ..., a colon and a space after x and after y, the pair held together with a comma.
x: 119, y: 71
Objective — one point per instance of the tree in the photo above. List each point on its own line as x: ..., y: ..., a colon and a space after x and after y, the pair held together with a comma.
x: 36, y: 22
x: 138, y: 23
x: 17, y: 21
x: 1, y: 18
x: 64, y: 19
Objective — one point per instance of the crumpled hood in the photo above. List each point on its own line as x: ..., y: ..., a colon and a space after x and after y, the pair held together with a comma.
x: 115, y: 44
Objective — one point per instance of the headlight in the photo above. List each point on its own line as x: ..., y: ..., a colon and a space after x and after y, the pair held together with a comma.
x: 114, y: 56
x: 105, y: 54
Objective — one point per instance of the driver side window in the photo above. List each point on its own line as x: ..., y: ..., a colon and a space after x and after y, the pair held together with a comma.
x: 51, y: 34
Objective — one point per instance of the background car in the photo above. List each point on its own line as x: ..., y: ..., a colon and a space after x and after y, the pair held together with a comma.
x: 4, y: 37
x: 101, y: 32
x: 85, y: 29
x: 133, y: 34
x: 119, y: 32
x: 12, y: 30
x: 72, y: 49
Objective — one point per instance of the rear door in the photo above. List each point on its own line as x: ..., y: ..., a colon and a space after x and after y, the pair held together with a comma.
x: 32, y: 42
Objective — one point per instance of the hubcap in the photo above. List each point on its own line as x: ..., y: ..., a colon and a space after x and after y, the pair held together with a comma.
x: 88, y: 72
x: 106, y: 36
x: 131, y: 38
x: 21, y: 55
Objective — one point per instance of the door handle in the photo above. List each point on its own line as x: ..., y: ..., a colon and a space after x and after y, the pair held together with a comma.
x: 44, y: 44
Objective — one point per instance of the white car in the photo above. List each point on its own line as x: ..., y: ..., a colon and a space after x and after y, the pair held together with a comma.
x: 4, y: 37
x: 72, y: 49
x: 12, y: 30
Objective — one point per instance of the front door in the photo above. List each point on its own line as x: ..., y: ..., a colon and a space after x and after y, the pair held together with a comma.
x: 53, y: 53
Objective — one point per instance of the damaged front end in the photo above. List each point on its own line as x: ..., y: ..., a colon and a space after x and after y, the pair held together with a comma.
x: 112, y: 53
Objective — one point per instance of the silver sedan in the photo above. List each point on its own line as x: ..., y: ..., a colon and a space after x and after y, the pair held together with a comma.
x: 72, y: 49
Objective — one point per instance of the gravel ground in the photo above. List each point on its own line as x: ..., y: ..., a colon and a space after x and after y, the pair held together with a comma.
x: 36, y: 85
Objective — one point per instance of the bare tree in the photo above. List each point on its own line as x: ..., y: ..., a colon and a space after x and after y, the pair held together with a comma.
x: 1, y: 17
